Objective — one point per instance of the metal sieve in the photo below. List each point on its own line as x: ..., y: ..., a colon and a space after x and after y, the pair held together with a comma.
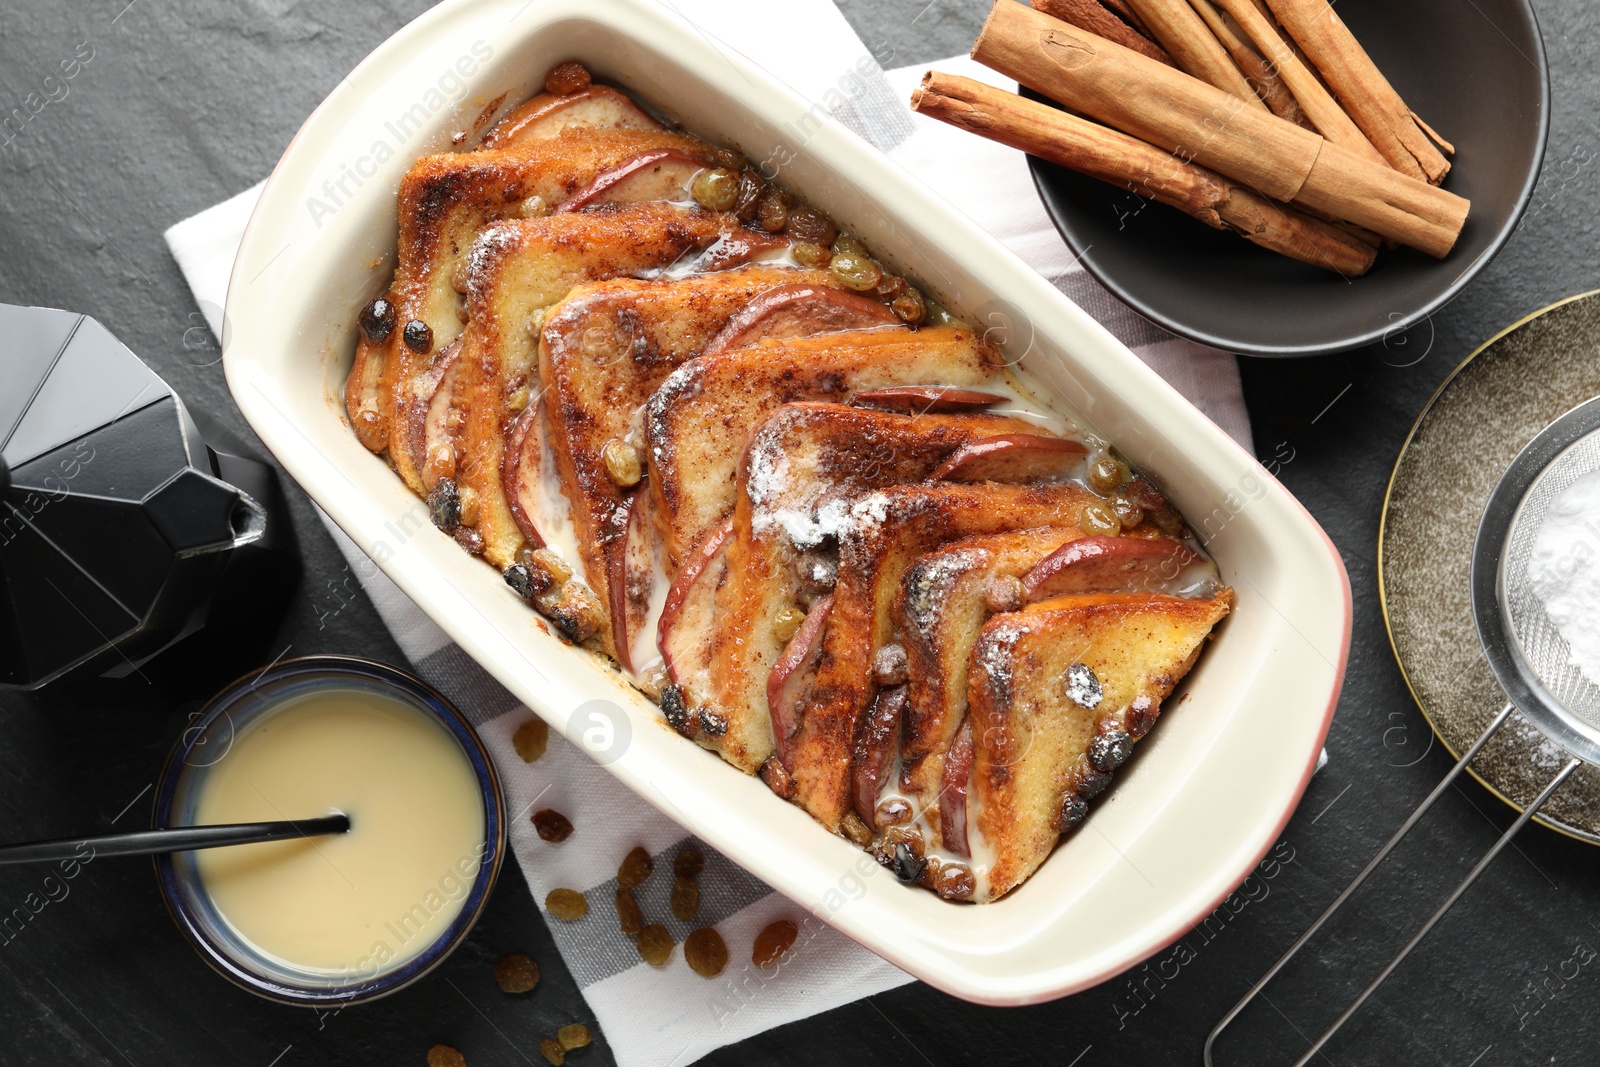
x: 1528, y: 656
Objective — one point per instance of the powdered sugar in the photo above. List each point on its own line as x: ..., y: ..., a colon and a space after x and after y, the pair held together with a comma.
x: 1564, y: 570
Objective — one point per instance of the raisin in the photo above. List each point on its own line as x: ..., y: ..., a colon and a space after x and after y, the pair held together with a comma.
x: 1107, y: 473
x: 809, y: 255
x: 854, y: 271
x: 419, y: 337
x: 808, y: 224
x: 676, y: 710
x: 1141, y: 716
x: 629, y: 917
x: 1110, y: 750
x: 635, y: 868
x: 1100, y: 520
x: 750, y: 189
x: 445, y: 1056
x: 622, y: 463
x: 890, y: 665
x: 890, y: 287
x: 857, y: 831
x: 552, y: 1051
x: 909, y: 307
x: 573, y: 1035
x: 706, y: 952
x: 552, y: 825
x: 907, y: 865
x: 1083, y: 686
x: 566, y: 79
x: 895, y: 811
x: 685, y: 898
x: 516, y: 974
x: 469, y: 539
x: 1147, y: 496
x: 444, y: 505
x: 530, y: 739
x: 655, y: 945
x: 377, y: 321
x: 1089, y: 781
x: 689, y: 862
x: 712, y: 724
x: 1074, y: 809
x: 773, y: 942
x: 772, y: 210
x: 568, y: 904
x: 776, y: 775
x: 954, y: 881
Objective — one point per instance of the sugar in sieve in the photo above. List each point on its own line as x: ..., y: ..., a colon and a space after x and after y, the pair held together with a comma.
x: 1527, y: 655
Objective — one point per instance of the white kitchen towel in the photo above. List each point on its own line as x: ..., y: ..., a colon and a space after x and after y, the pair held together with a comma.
x: 655, y: 1018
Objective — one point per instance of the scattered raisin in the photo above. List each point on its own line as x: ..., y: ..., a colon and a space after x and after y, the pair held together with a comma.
x: 1167, y: 520
x: 776, y: 775
x: 685, y: 898
x: 855, y: 271
x: 1074, y: 809
x: 377, y: 320
x: 895, y: 811
x: 677, y: 711
x: 1110, y: 750
x: 629, y: 917
x: 1141, y: 716
x: 635, y: 868
x: 706, y: 952
x: 516, y: 974
x: 954, y: 881
x: 906, y: 864
x: 445, y: 1056
x: 890, y: 666
x: 469, y: 505
x: 810, y: 255
x: 419, y: 336
x: 808, y: 224
x: 1098, y: 520
x: 655, y: 945
x: 575, y: 611
x: 891, y: 286
x: 444, y: 505
x: 568, y: 904
x: 818, y: 570
x: 773, y: 942
x: 910, y: 307
x: 716, y: 189
x: 1083, y: 686
x: 729, y: 159
x: 844, y: 244
x: 712, y: 724
x: 552, y: 1051
x: 1107, y: 473
x: 535, y: 207
x: 469, y: 539
x: 772, y: 210
x: 552, y: 825
x: 566, y: 79
x: 573, y: 1035
x: 530, y: 739
x: 857, y: 831
x: 787, y: 622
x: 689, y: 862
x: 1089, y: 781
x: 750, y: 188
x: 1147, y: 496
x: 622, y: 463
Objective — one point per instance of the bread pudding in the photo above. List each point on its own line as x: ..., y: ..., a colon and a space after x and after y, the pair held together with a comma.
x: 819, y: 519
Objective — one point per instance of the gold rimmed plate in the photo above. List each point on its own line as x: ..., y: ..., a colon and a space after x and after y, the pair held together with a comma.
x: 1492, y: 405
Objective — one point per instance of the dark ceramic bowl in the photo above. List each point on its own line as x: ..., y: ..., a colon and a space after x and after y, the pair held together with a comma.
x: 1474, y: 71
x: 207, y: 740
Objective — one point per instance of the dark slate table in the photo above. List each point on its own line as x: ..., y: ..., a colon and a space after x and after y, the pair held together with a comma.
x: 184, y: 103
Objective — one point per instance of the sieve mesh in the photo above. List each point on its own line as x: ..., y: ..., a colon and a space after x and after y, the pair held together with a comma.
x: 1542, y: 648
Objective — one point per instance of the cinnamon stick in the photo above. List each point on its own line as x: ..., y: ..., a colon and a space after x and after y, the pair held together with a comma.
x: 1257, y: 71
x: 1255, y: 148
x: 1127, y: 14
x: 1192, y: 47
x: 1098, y: 19
x: 1319, y: 106
x: 1403, y: 139
x: 1103, y: 153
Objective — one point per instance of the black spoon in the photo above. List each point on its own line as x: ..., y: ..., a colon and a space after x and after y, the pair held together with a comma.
x: 178, y: 839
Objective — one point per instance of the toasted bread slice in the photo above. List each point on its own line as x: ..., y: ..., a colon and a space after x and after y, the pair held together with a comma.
x: 698, y: 421
x: 944, y: 600
x: 879, y: 538
x: 517, y: 269
x: 801, y: 469
x: 444, y: 201
x: 604, y: 350
x: 1059, y: 692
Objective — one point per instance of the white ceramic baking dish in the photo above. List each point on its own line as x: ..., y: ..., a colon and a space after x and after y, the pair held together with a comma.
x: 1207, y: 794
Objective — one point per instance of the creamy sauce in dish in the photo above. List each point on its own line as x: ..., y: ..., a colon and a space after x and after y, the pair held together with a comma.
x: 365, y: 901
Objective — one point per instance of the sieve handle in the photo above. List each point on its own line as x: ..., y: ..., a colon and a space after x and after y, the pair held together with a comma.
x: 1372, y: 865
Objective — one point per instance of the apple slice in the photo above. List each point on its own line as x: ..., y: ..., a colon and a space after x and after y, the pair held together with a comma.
x: 1012, y: 457
x: 660, y: 174
x: 520, y: 472
x: 432, y: 415
x: 792, y: 675
x: 1109, y: 565
x: 800, y: 311
x: 363, y: 395
x: 875, y: 745
x: 547, y: 114
x: 688, y: 598
x: 921, y: 399
x: 629, y: 563
x: 738, y: 248
x: 953, y: 792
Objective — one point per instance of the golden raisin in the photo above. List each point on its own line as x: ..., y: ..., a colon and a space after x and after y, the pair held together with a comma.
x: 844, y: 244
x: 954, y: 881
x: 573, y: 1035
x: 787, y: 623
x: 728, y: 159
x: 855, y: 271
x: 635, y: 868
x: 566, y: 79
x: 552, y: 825
x: 445, y: 1056
x: 856, y: 830
x: 689, y: 862
x: 552, y: 1051
x: 629, y: 917
x: 655, y: 945
x: 530, y: 739
x: 750, y: 189
x: 705, y: 952
x: 715, y: 189
x: 895, y: 811
x: 772, y: 210
x: 568, y: 904
x: 535, y: 207
x: 516, y: 974
x: 550, y: 564
x: 909, y: 306
x: 622, y: 463
x: 685, y: 898
x: 1128, y: 513
x: 811, y: 255
x: 1107, y: 473
x: 1098, y: 520
x: 773, y: 942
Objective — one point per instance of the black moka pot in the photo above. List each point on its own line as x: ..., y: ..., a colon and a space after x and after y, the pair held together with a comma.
x: 121, y: 531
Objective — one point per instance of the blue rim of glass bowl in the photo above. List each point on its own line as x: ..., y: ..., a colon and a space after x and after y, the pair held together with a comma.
x: 413, y: 691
